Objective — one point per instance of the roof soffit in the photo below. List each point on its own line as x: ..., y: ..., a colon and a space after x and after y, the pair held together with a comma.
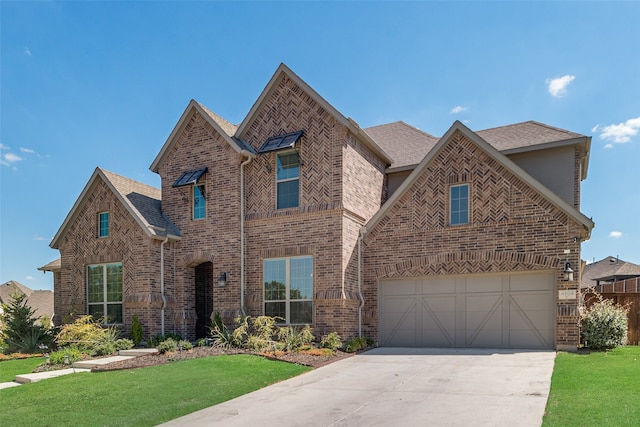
x: 493, y: 152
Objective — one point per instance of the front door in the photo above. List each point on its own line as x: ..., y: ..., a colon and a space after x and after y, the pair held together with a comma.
x: 204, y: 298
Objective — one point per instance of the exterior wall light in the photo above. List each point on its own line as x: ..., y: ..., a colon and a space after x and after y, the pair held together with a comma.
x: 568, y: 272
x: 222, y: 280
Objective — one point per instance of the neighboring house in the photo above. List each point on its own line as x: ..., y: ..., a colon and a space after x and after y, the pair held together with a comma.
x: 41, y: 301
x: 297, y: 212
x: 608, y: 270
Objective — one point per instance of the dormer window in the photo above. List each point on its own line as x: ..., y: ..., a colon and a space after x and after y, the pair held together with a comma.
x: 103, y: 224
x: 198, y: 195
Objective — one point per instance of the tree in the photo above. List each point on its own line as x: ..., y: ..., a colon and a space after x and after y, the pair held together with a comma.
x: 21, y: 333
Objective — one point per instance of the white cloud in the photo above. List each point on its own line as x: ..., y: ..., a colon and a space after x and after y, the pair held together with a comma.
x: 608, y: 146
x: 39, y: 238
x: 458, y: 109
x: 558, y: 87
x: 11, y: 158
x: 622, y: 132
x: 30, y: 278
x: 3, y: 147
x: 27, y: 51
x: 595, y: 128
x: 615, y: 234
x: 27, y: 150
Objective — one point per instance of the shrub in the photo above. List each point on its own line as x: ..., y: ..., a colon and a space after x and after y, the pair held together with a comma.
x: 605, y: 324
x: 201, y: 342
x: 331, y: 341
x: 157, y: 339
x: 294, y: 337
x: 354, y: 344
x: 21, y: 333
x: 136, y: 330
x: 84, y: 333
x: 124, y: 344
x: 167, y: 345
x: 103, y: 349
x: 73, y: 354
x: 184, y: 345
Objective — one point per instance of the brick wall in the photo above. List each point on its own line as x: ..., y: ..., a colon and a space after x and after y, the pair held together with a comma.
x: 512, y: 228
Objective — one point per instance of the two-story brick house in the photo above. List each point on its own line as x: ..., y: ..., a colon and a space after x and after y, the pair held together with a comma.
x: 297, y: 212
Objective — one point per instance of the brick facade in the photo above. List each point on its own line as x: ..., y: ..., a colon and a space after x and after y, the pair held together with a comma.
x: 342, y: 186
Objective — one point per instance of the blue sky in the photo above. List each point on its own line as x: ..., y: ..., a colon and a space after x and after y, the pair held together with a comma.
x: 87, y: 84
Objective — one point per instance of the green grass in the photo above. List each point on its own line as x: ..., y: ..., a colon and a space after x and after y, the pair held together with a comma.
x: 596, y: 389
x: 10, y: 368
x: 140, y: 397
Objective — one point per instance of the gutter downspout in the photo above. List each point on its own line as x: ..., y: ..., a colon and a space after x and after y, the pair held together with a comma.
x: 363, y: 230
x: 242, y: 278
x: 164, y: 299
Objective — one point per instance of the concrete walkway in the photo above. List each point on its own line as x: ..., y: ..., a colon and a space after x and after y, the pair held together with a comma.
x: 77, y: 367
x: 400, y: 386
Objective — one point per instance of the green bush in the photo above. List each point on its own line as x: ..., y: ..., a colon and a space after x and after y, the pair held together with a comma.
x: 331, y: 341
x: 83, y: 333
x: 136, y: 330
x: 604, y: 325
x: 354, y: 344
x: 157, y: 339
x: 104, y: 349
x: 124, y: 344
x: 293, y: 337
x: 73, y: 354
x: 184, y: 345
x: 201, y: 342
x: 20, y: 331
x: 167, y: 345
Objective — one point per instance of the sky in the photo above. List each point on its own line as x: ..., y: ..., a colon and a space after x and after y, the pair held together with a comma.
x: 88, y: 84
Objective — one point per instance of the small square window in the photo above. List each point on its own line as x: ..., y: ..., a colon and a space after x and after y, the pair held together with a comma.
x: 459, y: 204
x: 103, y: 224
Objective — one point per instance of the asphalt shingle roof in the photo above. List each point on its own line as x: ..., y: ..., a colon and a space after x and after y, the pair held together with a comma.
x: 408, y: 145
x: 607, y: 269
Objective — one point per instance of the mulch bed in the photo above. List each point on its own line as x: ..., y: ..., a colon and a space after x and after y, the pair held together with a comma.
x: 300, y: 358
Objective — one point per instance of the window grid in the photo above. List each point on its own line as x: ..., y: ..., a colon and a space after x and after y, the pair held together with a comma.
x: 104, y: 292
x: 287, y: 180
x: 288, y: 291
x: 103, y: 224
x: 459, y: 204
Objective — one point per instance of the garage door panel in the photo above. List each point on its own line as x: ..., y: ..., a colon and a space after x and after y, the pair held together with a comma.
x: 497, y: 310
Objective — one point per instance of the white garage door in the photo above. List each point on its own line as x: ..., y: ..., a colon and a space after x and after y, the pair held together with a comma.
x: 482, y: 311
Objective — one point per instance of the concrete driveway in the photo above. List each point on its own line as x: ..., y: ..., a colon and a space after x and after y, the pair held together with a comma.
x: 400, y: 387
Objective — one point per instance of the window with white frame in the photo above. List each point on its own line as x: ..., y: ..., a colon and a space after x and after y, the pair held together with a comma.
x: 104, y: 292
x: 103, y: 224
x: 287, y: 180
x: 288, y: 289
x: 459, y: 204
x: 199, y: 203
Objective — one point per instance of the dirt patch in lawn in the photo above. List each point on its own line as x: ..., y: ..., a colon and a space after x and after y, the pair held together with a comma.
x: 301, y: 358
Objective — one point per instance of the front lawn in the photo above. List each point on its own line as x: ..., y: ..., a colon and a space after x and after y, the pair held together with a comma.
x: 140, y: 397
x: 10, y: 368
x: 596, y: 389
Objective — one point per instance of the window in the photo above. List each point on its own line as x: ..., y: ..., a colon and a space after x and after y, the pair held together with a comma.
x: 103, y: 224
x: 459, y: 204
x: 199, y: 205
x: 104, y: 292
x: 287, y: 180
x: 288, y: 289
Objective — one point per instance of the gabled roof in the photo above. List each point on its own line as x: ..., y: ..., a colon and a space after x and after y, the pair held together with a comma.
x: 349, y: 123
x: 223, y: 127
x: 500, y: 158
x: 7, y: 290
x: 54, y: 265
x: 406, y: 144
x: 608, y: 269
x: 142, y: 201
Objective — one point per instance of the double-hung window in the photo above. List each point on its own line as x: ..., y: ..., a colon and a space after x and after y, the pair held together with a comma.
x: 104, y: 292
x: 287, y: 180
x: 198, y: 195
x: 103, y: 224
x: 288, y: 289
x: 459, y: 204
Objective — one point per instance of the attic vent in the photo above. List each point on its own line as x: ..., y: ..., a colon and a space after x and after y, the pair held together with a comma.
x: 280, y: 142
x: 190, y: 177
